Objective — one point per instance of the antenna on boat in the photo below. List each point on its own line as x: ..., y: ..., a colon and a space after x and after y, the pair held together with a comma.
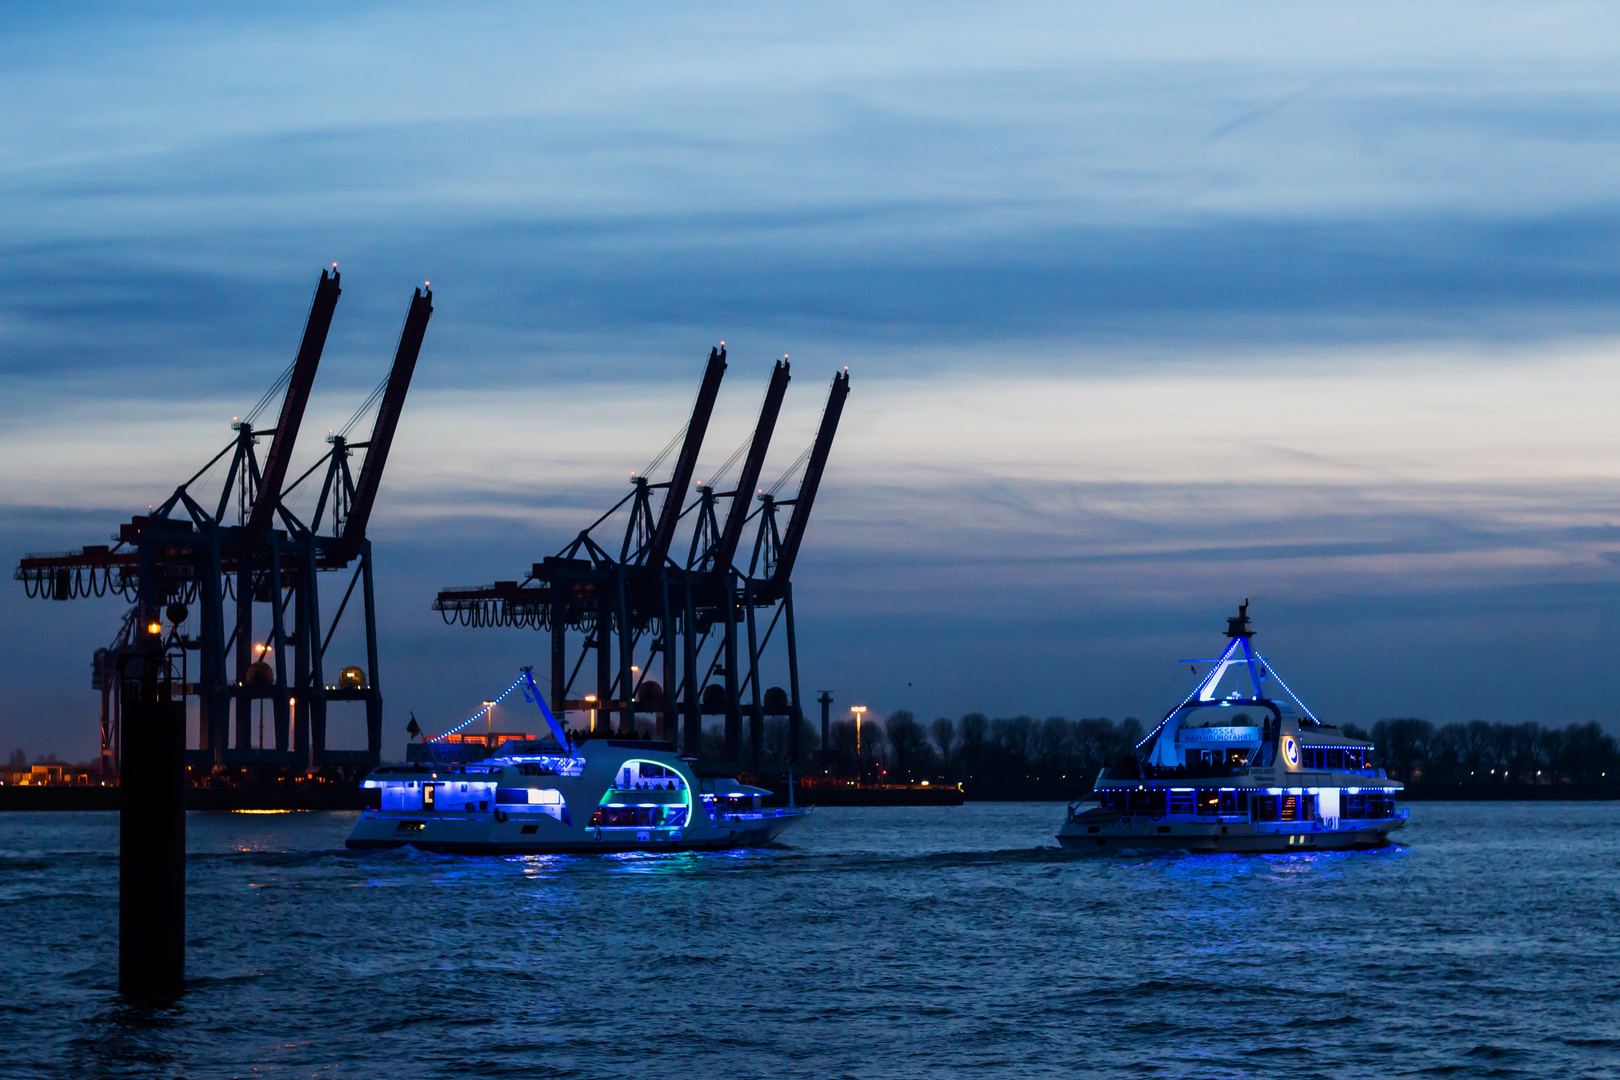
x: 1238, y: 626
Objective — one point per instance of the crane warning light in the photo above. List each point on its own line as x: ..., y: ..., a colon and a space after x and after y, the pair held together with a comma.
x: 154, y: 627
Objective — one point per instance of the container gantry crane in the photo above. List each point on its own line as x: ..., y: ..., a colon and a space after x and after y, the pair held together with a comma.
x: 688, y: 615
x: 248, y: 548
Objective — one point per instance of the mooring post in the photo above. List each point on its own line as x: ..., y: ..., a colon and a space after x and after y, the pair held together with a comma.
x: 151, y: 824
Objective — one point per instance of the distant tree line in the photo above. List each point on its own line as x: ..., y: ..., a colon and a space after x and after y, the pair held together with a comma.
x: 1024, y: 758
x: 1486, y: 760
x: 1016, y: 757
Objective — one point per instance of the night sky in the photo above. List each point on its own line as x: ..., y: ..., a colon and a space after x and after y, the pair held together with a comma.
x: 1146, y: 311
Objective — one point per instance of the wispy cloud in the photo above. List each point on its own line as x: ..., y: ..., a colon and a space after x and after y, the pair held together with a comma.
x: 1147, y: 308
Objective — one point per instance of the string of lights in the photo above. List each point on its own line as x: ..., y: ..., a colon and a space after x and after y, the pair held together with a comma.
x: 480, y: 714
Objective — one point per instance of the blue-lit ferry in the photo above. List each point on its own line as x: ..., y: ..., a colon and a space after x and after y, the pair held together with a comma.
x: 555, y: 795
x: 1256, y: 773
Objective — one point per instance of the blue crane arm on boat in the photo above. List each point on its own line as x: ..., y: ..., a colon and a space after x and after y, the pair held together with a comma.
x: 532, y: 693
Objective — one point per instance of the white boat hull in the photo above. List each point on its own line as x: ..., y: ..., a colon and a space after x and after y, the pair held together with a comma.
x: 540, y: 834
x: 532, y: 798
x: 1249, y: 838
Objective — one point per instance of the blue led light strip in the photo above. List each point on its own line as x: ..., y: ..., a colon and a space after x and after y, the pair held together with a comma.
x: 480, y: 714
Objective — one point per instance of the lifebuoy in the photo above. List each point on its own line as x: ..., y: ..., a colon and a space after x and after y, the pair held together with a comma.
x: 500, y: 815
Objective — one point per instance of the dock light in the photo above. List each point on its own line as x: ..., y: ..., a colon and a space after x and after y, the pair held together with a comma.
x: 859, y: 711
x: 154, y: 628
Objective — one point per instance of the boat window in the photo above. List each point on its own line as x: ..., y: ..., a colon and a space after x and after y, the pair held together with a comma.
x: 427, y: 796
x: 1229, y: 802
x: 625, y: 816
x: 1265, y: 807
x: 1290, y: 808
x: 1209, y: 802
x: 1335, y: 758
x: 1308, y: 807
x: 1181, y: 802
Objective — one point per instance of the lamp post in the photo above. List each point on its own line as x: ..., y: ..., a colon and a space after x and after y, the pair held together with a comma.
x: 591, y: 699
x: 258, y: 654
x: 860, y: 767
x: 630, y: 700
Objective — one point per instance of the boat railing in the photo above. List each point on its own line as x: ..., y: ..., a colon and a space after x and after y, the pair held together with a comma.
x: 755, y: 815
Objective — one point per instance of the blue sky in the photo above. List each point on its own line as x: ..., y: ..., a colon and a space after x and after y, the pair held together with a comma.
x: 1147, y: 311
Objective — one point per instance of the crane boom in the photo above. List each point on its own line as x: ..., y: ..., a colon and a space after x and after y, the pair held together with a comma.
x: 292, y: 409
x: 382, y: 430
x: 805, y: 499
x: 737, y: 516
x: 686, y: 464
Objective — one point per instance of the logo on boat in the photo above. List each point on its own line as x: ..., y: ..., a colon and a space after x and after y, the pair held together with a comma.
x: 1290, y: 751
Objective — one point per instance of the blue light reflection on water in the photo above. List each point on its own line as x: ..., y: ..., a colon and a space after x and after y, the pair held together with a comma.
x: 874, y: 942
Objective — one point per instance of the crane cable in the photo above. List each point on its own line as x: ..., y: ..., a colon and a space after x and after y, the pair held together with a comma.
x: 365, y: 406
x: 798, y: 464
x: 280, y: 384
x: 719, y: 474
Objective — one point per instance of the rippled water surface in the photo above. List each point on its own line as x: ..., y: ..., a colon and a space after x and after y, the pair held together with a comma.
x: 872, y: 942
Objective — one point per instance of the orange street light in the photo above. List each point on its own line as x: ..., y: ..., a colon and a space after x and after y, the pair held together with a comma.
x: 859, y: 711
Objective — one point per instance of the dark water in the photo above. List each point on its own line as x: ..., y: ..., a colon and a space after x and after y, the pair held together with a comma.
x: 874, y: 942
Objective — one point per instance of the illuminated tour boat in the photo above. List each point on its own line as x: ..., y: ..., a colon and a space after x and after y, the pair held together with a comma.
x: 557, y: 795
x: 1254, y: 773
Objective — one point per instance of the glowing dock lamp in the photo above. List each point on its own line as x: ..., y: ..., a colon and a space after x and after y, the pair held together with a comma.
x: 592, y: 699
x: 858, y: 710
